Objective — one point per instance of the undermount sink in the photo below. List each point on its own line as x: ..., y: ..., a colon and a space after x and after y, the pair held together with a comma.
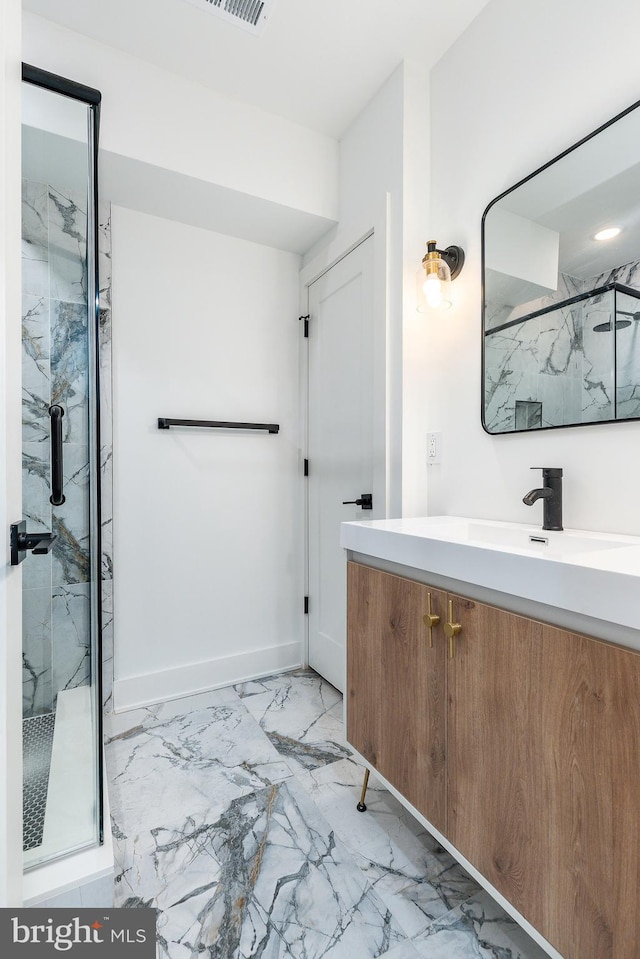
x: 590, y: 573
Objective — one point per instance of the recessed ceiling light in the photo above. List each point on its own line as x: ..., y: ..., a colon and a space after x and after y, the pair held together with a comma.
x: 607, y: 234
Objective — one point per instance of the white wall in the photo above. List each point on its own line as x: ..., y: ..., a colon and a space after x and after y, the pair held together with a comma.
x: 208, y: 525
x: 166, y: 123
x: 231, y: 600
x: 371, y: 160
x: 10, y: 458
x: 523, y: 83
x: 383, y: 155
x: 415, y: 326
x: 371, y: 198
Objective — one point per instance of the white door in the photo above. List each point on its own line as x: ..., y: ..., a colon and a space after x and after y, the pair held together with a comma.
x: 340, y: 443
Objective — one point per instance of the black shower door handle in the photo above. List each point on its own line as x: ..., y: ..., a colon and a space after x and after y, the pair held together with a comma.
x: 57, y: 471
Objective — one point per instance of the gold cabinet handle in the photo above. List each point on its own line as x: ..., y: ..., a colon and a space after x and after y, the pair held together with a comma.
x: 452, y: 630
x: 430, y: 620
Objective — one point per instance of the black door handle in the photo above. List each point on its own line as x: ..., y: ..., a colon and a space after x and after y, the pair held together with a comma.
x: 21, y: 542
x: 365, y: 501
x: 57, y: 470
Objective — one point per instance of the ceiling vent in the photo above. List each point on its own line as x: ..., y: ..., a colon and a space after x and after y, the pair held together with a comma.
x: 251, y: 15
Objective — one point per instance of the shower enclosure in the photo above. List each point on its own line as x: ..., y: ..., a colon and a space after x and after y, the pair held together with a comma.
x: 575, y: 361
x: 58, y: 540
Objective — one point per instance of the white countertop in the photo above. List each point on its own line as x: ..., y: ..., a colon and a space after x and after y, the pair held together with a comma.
x: 592, y: 574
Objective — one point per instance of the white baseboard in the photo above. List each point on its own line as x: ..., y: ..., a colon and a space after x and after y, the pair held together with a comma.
x: 150, y: 688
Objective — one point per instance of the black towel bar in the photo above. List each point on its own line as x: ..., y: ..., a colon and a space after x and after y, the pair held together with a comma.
x: 164, y: 423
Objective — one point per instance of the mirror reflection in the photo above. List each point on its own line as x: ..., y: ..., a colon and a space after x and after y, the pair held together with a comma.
x: 561, y: 277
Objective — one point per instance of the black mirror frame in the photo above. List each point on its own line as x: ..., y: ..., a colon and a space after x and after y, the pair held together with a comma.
x: 541, y: 169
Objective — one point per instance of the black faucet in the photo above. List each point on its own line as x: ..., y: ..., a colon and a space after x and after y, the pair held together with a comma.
x: 551, y: 493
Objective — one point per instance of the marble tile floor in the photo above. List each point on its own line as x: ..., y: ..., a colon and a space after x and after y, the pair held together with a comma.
x: 234, y: 815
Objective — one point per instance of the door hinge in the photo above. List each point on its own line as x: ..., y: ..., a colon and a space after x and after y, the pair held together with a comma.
x: 306, y: 467
x: 306, y: 324
x: 306, y: 605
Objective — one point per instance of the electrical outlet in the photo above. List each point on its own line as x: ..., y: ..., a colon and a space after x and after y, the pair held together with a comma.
x: 434, y: 449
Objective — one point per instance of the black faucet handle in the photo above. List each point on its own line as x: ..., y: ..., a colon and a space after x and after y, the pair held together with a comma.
x: 553, y: 471
x: 551, y: 494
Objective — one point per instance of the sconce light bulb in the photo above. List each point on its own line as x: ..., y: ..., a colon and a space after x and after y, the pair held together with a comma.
x: 433, y: 291
x: 433, y: 286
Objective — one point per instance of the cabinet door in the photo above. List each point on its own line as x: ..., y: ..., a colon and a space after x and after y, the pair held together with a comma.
x: 544, y: 776
x: 396, y: 707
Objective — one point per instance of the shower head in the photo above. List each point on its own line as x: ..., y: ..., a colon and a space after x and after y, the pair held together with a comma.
x: 606, y: 327
x: 620, y: 324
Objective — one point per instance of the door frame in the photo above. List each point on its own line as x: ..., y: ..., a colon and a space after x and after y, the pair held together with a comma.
x: 10, y: 453
x: 387, y: 476
x: 92, y: 99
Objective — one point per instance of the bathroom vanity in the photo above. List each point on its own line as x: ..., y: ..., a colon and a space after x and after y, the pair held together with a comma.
x: 485, y: 690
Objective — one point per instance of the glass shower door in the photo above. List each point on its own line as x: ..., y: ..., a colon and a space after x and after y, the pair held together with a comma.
x: 61, y: 575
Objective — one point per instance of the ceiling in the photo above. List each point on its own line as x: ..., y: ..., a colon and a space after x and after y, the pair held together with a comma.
x: 594, y: 185
x: 317, y: 62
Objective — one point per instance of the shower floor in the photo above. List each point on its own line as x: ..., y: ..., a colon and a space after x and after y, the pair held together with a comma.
x: 37, y: 744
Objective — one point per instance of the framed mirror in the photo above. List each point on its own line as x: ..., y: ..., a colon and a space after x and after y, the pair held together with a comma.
x: 561, y: 288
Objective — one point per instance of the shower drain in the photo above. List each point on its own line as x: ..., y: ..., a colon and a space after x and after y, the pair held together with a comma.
x: 37, y: 743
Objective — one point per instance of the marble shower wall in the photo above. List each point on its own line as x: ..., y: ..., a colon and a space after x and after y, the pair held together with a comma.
x: 628, y: 358
x: 56, y: 587
x: 106, y: 451
x: 559, y: 361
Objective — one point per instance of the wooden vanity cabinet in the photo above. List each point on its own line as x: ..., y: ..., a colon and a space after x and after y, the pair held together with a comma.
x: 542, y: 760
x: 396, y: 708
x: 544, y: 776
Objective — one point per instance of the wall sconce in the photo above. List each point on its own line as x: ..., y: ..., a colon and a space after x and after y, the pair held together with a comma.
x: 439, y: 268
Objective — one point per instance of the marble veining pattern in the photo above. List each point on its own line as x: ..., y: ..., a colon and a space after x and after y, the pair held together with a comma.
x: 478, y: 929
x: 559, y: 359
x: 35, y: 238
x: 71, y: 612
x: 301, y: 715
x: 250, y: 848
x: 106, y: 406
x: 37, y: 666
x: 55, y: 370
x: 67, y: 245
x: 107, y: 645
